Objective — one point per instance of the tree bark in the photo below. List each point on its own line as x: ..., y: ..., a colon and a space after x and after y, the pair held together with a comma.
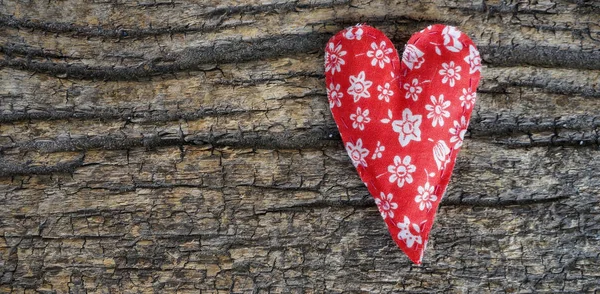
x: 188, y: 147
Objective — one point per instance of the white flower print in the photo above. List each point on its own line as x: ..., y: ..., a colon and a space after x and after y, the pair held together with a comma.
x: 451, y: 35
x: 440, y: 154
x: 468, y: 98
x: 359, y: 87
x: 357, y: 153
x: 473, y: 59
x: 385, y: 205
x: 412, y: 57
x: 458, y: 132
x: 385, y: 92
x: 408, y: 127
x: 406, y: 235
x: 379, y: 54
x: 360, y: 119
x: 334, y: 95
x: 354, y: 32
x: 437, y: 110
x: 378, y: 151
x: 450, y: 73
x: 425, y: 196
x: 333, y: 58
x: 413, y: 90
x: 401, y: 170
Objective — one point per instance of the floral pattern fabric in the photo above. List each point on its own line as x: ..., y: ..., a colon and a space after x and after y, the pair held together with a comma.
x: 403, y: 118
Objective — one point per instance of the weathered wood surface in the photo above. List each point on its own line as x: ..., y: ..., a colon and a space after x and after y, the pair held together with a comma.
x: 188, y: 147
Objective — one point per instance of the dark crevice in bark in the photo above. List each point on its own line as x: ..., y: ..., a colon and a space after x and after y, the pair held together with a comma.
x: 403, y: 26
x: 323, y: 204
x: 110, y: 142
x: 64, y: 70
x: 558, y: 87
x: 494, y: 128
x: 543, y: 56
x: 108, y: 114
x: 553, y: 142
x: 313, y: 138
x: 10, y: 168
x: 365, y: 202
x: 310, y: 138
x: 235, y: 51
x: 196, y: 59
x: 480, y: 126
x: 515, y: 8
x: 500, y: 203
x: 30, y: 52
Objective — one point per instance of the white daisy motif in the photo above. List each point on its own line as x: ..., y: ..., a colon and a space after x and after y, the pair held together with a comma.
x: 385, y: 205
x: 333, y: 58
x: 354, y: 32
x: 412, y: 57
x: 451, y: 35
x: 408, y: 127
x: 458, y: 132
x: 437, y: 110
x: 385, y: 92
x: 406, y: 235
x: 401, y: 170
x: 450, y: 73
x: 425, y: 197
x: 360, y: 118
x: 357, y: 153
x: 334, y: 95
x: 359, y: 87
x: 413, y: 90
x: 468, y: 98
x: 378, y: 151
x: 473, y: 59
x: 379, y: 54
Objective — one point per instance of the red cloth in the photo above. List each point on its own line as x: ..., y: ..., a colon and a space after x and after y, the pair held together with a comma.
x: 403, y: 121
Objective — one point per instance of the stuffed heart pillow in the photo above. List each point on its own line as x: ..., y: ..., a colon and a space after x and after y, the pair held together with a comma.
x: 403, y: 121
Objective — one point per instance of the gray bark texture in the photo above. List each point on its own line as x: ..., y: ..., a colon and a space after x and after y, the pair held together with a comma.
x: 187, y: 146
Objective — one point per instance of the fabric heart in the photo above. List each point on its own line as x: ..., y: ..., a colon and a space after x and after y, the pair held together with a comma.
x: 403, y: 121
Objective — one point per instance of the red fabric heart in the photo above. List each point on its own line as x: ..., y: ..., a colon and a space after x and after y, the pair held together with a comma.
x: 403, y: 121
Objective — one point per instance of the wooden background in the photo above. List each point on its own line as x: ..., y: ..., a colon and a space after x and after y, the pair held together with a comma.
x: 162, y: 147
